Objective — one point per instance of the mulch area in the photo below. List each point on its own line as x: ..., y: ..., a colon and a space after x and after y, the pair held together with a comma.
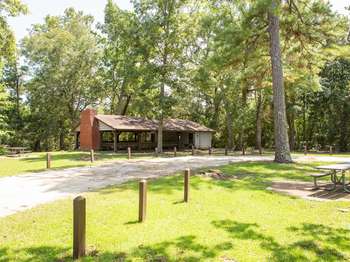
x: 305, y: 190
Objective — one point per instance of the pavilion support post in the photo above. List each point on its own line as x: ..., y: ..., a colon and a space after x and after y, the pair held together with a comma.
x: 139, y: 141
x: 115, y: 146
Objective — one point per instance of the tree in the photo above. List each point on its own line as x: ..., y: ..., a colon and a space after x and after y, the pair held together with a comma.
x: 163, y: 35
x: 282, y: 151
x: 63, y: 56
x: 8, y: 8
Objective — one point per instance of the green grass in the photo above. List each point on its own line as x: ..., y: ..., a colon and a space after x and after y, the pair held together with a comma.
x: 36, y: 162
x: 226, y: 219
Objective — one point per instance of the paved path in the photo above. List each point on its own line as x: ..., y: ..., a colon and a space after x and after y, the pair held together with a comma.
x: 25, y: 191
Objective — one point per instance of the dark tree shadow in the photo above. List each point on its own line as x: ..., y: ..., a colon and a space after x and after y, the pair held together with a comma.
x: 297, y: 250
x: 41, y: 253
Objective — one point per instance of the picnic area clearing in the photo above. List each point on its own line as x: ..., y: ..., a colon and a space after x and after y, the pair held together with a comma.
x: 234, y: 219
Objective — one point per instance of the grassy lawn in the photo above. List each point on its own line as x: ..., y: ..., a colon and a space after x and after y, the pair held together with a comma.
x: 225, y: 219
x: 36, y: 162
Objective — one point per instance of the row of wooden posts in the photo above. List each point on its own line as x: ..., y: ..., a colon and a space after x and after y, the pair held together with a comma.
x: 92, y: 155
x: 79, y: 214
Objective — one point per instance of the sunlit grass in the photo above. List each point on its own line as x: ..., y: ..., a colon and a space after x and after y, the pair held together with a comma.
x: 234, y: 219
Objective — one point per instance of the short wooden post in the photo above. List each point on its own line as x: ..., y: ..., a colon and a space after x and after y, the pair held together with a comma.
x: 142, y: 200
x: 129, y: 152
x: 192, y: 150
x: 331, y: 150
x: 48, y: 160
x: 156, y: 151
x: 92, y: 156
x: 175, y: 150
x: 226, y: 151
x: 186, y: 184
x: 243, y: 150
x: 209, y: 150
x: 79, y: 227
x: 305, y: 149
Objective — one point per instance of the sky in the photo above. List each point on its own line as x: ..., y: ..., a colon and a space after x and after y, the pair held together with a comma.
x: 40, y: 8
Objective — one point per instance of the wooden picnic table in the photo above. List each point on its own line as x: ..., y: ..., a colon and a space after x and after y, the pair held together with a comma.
x: 334, y: 171
x: 17, y: 150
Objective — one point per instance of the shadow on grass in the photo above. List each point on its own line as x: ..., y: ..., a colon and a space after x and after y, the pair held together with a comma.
x: 41, y: 253
x: 321, y: 241
x: 185, y: 248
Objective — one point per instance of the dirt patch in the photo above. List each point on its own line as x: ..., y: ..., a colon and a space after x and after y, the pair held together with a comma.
x: 217, y: 174
x: 306, y: 190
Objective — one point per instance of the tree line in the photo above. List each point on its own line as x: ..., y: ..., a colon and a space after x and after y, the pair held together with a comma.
x: 263, y: 74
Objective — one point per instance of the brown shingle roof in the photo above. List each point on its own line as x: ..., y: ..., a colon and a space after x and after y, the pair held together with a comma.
x: 140, y: 124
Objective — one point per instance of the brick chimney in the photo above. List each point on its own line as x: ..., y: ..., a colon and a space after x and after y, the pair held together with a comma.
x: 89, y: 131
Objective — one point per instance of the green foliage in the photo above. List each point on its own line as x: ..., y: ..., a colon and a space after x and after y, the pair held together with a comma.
x: 207, y: 61
x: 63, y: 57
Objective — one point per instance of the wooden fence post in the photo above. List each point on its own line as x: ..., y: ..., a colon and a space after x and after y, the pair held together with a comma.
x: 331, y: 150
x: 192, y: 150
x: 142, y: 200
x: 186, y: 184
x: 48, y: 160
x: 305, y: 149
x: 175, y: 149
x: 226, y: 151
x: 129, y: 152
x: 209, y: 151
x: 79, y: 227
x: 92, y: 156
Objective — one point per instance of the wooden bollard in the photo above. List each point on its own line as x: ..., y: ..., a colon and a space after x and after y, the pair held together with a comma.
x: 48, y: 160
x: 186, y: 184
x: 331, y: 150
x: 79, y: 227
x: 129, y: 152
x: 226, y: 151
x: 209, y: 151
x: 192, y: 150
x: 92, y: 155
x: 175, y: 151
x: 142, y: 200
x: 305, y: 149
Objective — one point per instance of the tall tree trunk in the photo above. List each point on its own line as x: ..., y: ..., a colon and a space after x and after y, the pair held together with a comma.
x: 229, y: 121
x: 161, y: 120
x: 282, y: 151
x: 259, y: 112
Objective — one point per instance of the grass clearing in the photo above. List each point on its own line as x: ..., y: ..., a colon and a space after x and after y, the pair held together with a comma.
x: 225, y: 219
x: 36, y: 162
